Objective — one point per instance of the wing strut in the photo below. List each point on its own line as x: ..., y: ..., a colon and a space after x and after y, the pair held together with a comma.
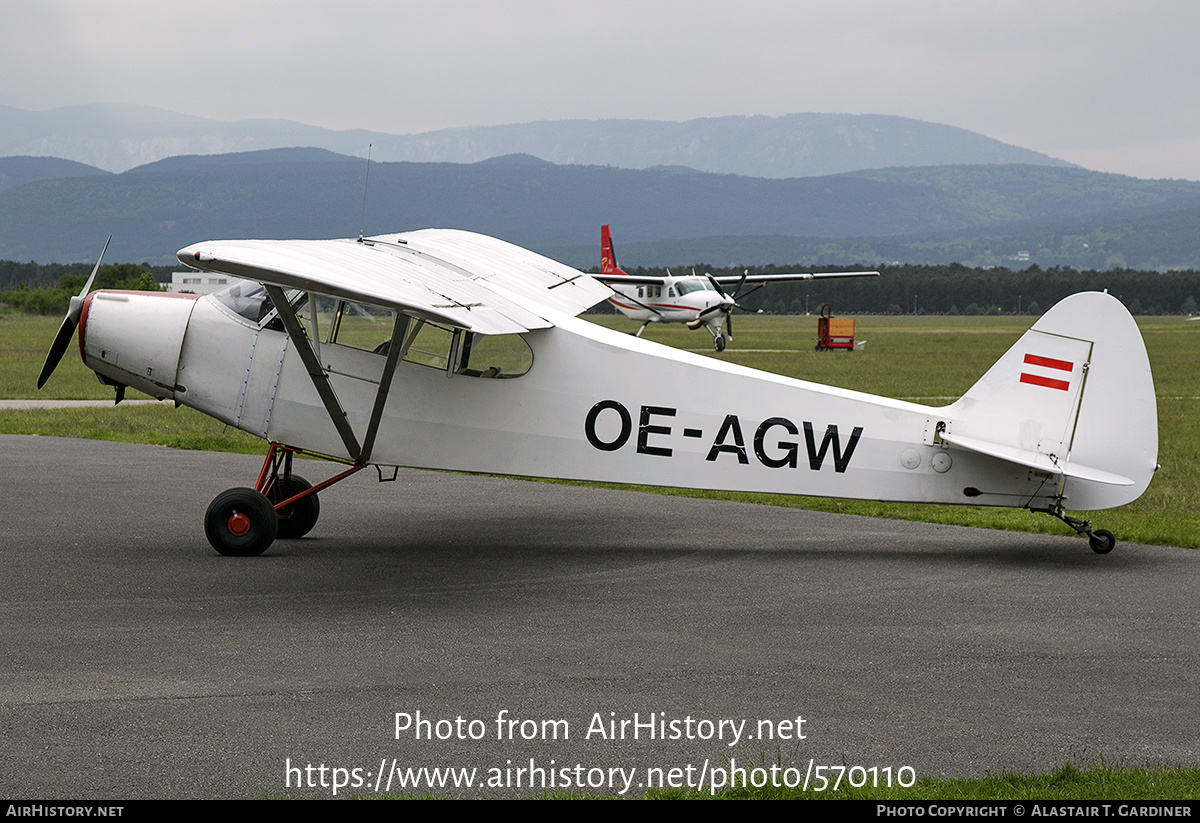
x: 337, y: 415
x: 404, y: 328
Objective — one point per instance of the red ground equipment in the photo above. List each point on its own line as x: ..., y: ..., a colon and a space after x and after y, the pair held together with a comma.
x: 834, y: 332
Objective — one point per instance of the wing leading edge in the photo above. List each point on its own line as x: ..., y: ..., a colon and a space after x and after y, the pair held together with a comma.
x: 456, y: 278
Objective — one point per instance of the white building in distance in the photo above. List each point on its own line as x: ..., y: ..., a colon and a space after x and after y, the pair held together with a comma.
x: 195, y: 282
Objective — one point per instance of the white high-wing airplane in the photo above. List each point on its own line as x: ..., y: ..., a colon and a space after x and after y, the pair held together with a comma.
x: 450, y: 350
x: 699, y: 301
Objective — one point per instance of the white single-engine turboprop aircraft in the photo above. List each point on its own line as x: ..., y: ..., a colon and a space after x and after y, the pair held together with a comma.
x: 697, y: 300
x: 451, y: 350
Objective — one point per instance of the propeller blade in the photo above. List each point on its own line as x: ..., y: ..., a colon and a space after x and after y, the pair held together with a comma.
x: 752, y: 291
x: 742, y: 282
x: 67, y: 330
x: 729, y: 324
x: 716, y: 284
x: 57, y: 349
x: 77, y: 308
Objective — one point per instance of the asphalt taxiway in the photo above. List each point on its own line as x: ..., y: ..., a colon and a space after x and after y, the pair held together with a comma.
x: 139, y: 663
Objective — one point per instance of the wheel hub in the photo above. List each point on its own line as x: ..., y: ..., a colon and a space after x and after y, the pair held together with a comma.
x: 239, y: 524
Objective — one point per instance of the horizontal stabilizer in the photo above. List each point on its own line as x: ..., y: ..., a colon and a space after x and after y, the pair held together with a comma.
x: 1034, y: 460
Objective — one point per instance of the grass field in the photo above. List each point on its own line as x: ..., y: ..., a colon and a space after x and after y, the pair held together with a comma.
x: 927, y: 359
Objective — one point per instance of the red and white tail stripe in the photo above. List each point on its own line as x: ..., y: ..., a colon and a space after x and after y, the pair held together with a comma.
x: 1050, y: 382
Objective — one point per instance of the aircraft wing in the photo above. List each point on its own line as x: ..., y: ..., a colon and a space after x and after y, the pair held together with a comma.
x: 632, y: 279
x: 733, y: 280
x: 457, y: 278
x: 730, y: 280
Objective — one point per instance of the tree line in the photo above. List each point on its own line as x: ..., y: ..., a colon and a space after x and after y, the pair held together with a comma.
x: 48, y: 289
x: 900, y: 289
x: 959, y: 289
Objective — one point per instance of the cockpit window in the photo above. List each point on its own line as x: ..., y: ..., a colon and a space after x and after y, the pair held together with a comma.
x: 247, y: 299
x: 330, y: 321
x: 500, y: 356
x: 250, y: 300
x: 689, y: 286
x: 495, y: 355
x: 354, y: 324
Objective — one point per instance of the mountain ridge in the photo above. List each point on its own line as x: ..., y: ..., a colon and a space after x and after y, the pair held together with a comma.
x: 118, y: 137
x: 990, y: 213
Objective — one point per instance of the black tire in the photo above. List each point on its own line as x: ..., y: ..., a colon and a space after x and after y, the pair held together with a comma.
x: 1102, y: 541
x: 240, y: 523
x: 719, y: 343
x: 299, y: 518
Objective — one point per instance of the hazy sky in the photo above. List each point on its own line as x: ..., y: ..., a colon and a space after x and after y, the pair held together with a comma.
x: 1107, y: 84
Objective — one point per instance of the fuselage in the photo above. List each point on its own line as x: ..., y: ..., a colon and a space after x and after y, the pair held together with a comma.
x: 677, y: 300
x: 588, y: 403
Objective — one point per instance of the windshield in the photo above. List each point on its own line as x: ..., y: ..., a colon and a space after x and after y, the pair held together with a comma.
x: 247, y: 299
x: 693, y: 284
x: 251, y: 301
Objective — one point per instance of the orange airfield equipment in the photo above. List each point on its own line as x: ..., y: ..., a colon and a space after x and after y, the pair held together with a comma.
x: 834, y: 332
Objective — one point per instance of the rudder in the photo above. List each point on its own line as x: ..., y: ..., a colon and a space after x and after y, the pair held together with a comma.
x: 608, y: 257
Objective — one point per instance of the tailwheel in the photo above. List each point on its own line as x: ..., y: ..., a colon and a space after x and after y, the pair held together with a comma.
x: 241, y: 523
x: 1102, y: 541
x: 296, y: 519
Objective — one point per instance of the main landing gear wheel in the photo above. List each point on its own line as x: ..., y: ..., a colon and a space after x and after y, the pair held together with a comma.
x: 297, y: 519
x: 241, y: 523
x: 1102, y: 541
x: 719, y: 343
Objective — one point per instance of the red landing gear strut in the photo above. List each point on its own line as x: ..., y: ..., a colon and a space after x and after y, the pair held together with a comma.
x: 244, y: 522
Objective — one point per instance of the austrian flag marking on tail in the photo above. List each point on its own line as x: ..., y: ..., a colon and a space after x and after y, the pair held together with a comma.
x: 1045, y: 380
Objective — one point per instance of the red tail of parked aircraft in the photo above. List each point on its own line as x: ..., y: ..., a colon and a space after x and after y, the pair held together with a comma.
x: 608, y: 258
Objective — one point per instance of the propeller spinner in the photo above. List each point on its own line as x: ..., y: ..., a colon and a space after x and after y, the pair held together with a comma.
x: 728, y: 303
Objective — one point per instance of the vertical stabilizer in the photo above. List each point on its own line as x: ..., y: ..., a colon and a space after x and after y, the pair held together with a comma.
x: 1073, y: 397
x: 608, y: 257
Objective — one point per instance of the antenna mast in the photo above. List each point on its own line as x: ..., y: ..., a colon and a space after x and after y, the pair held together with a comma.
x: 363, y: 224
